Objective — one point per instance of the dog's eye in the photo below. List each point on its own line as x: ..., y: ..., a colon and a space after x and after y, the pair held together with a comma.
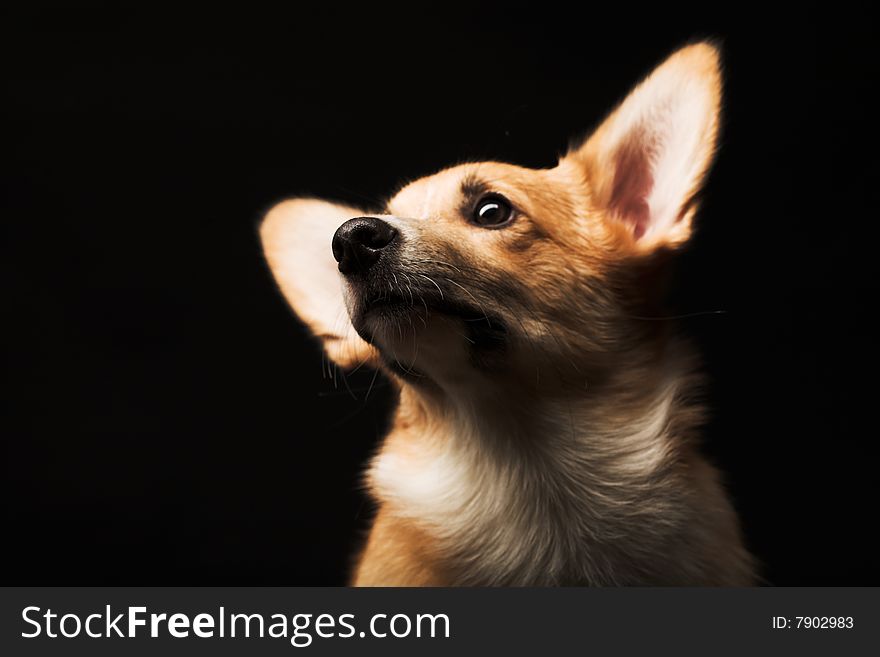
x: 492, y: 211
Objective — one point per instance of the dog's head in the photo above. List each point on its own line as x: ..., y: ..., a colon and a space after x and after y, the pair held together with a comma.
x: 490, y: 267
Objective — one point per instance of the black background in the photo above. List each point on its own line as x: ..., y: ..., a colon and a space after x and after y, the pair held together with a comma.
x: 168, y: 419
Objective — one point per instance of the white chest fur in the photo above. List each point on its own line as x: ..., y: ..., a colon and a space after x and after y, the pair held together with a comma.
x: 564, y: 496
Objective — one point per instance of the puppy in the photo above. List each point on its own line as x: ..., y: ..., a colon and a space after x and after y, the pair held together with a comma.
x: 546, y: 432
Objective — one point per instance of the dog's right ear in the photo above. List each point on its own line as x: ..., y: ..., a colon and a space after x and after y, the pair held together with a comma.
x: 645, y: 164
x: 296, y: 236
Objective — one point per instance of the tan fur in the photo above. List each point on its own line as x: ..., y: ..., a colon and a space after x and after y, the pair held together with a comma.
x: 556, y: 443
x: 398, y: 553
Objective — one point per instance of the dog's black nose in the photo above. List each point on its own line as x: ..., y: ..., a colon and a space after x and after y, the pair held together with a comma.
x: 358, y: 243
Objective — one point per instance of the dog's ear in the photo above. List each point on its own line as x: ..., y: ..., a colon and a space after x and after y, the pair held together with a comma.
x: 296, y: 236
x: 646, y: 161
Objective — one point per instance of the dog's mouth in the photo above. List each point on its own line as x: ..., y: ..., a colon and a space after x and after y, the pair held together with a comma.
x: 373, y: 309
x: 420, y: 305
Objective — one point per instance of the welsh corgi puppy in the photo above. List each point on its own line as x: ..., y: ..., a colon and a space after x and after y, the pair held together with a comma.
x: 546, y: 432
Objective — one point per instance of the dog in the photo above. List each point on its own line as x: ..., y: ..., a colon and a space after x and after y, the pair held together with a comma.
x: 547, y: 431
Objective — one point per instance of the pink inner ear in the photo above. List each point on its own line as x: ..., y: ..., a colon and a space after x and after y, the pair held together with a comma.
x: 632, y: 184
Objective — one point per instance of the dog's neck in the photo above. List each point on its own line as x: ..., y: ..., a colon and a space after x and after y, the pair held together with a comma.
x: 524, y: 481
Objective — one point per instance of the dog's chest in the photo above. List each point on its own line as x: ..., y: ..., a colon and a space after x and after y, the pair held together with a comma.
x: 482, y: 504
x: 518, y: 515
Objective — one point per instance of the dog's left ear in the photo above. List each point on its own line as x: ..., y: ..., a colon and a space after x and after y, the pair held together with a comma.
x: 296, y: 237
x: 646, y: 162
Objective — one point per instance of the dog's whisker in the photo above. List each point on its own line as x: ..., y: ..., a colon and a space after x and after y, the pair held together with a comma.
x: 372, y: 382
x: 699, y: 313
x: 347, y: 386
x: 439, y: 262
x: 479, y: 305
x: 439, y: 289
